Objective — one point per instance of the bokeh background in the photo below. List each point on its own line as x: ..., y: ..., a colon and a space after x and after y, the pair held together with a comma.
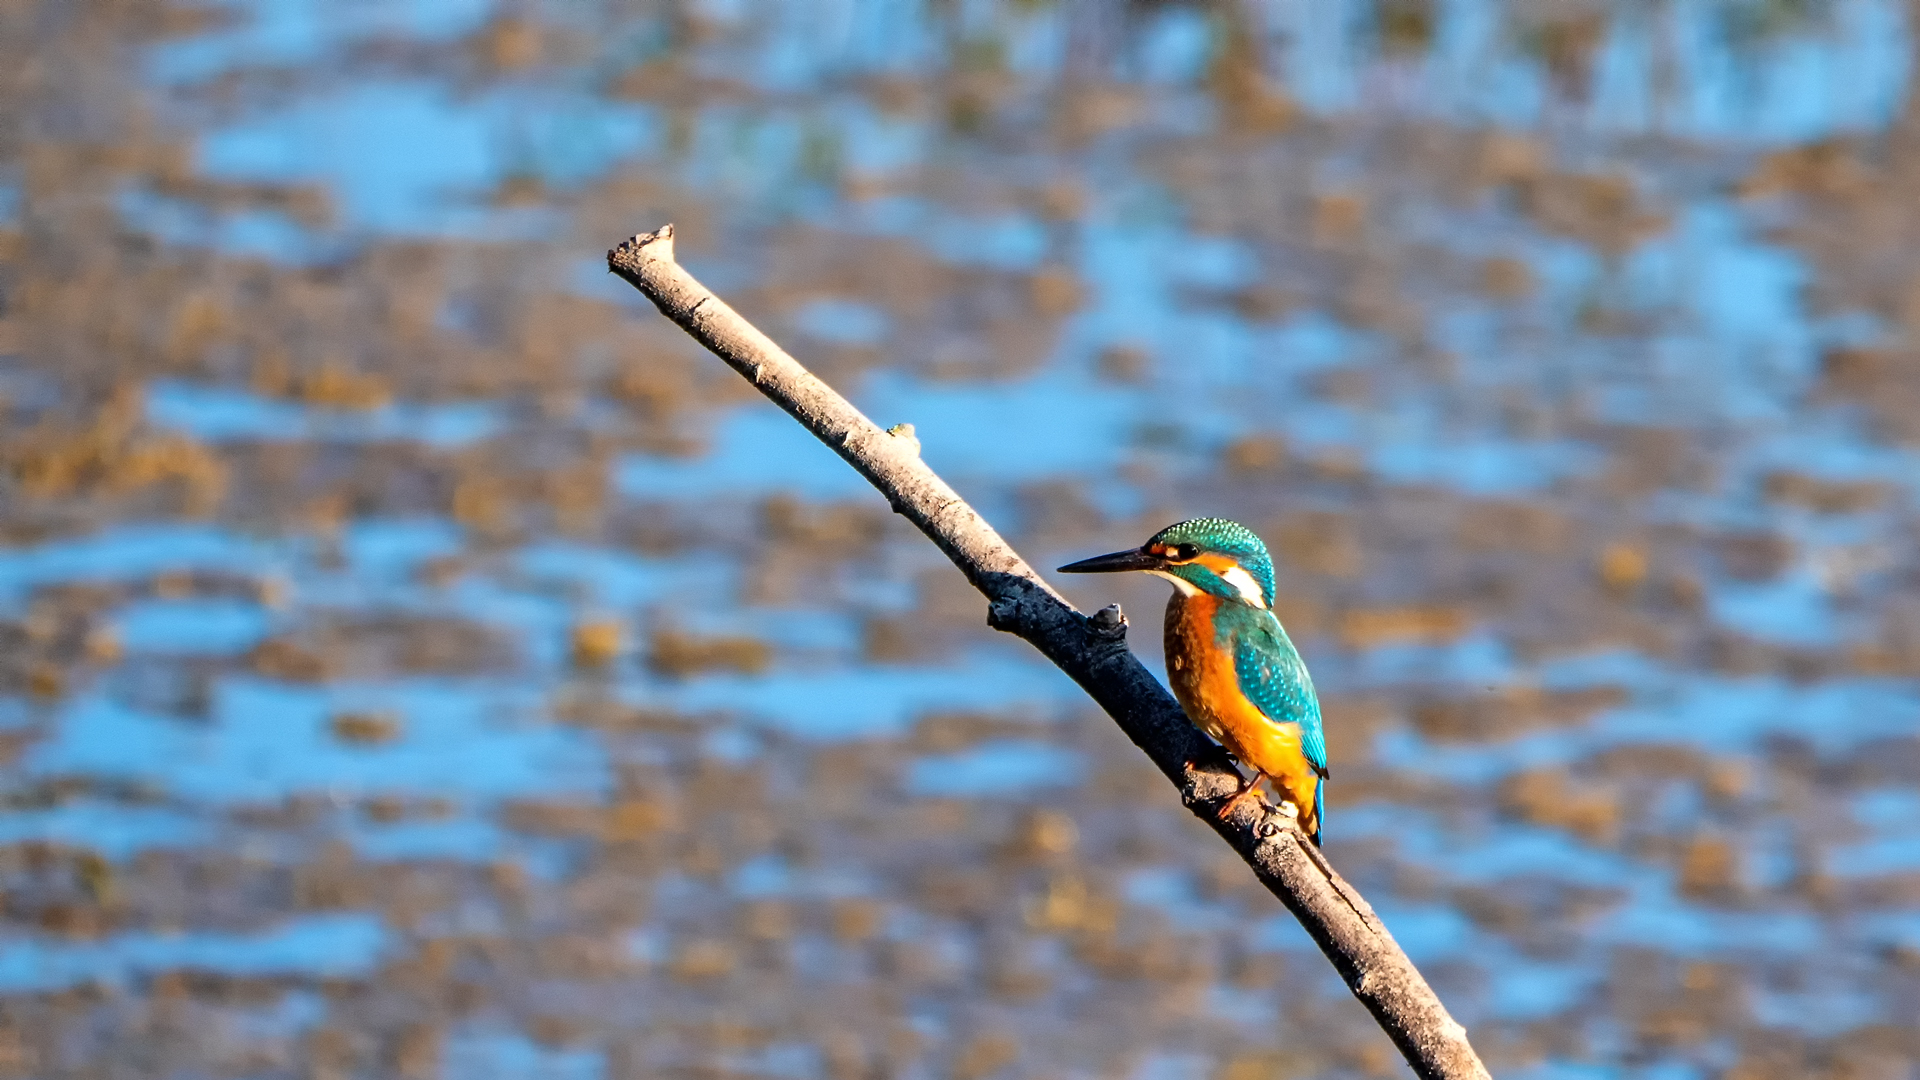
x: 418, y: 660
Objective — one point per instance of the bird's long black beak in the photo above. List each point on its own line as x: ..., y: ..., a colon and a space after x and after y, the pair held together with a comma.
x: 1115, y: 563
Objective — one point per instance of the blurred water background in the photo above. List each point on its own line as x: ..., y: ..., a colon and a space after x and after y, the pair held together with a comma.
x: 418, y: 660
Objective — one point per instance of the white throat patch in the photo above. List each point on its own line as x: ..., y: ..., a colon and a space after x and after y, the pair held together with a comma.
x: 1187, y: 588
x: 1249, y: 588
x: 1237, y: 577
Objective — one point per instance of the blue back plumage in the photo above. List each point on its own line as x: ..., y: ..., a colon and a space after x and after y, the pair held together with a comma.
x: 1272, y: 675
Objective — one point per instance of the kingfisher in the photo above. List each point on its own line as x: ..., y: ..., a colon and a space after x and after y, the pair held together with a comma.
x: 1230, y: 662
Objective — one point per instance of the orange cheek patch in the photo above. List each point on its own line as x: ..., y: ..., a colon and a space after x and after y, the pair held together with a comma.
x: 1219, y: 564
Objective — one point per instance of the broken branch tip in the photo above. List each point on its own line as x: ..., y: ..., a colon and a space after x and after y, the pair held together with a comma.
x: 656, y: 245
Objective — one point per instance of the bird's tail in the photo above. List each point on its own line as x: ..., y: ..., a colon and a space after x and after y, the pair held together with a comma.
x: 1319, y: 807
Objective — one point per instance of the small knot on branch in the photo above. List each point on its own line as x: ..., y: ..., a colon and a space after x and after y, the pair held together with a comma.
x: 1191, y: 794
x: 1109, y: 623
x: 1003, y: 613
x: 1210, y: 780
x: 1015, y: 605
x: 904, y: 432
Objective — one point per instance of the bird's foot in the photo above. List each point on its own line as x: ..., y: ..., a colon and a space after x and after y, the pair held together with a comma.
x: 1251, y: 787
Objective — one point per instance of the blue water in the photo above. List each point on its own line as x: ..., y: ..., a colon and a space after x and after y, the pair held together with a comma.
x: 497, y: 1055
x: 218, y: 414
x: 193, y: 626
x: 336, y: 946
x: 1474, y: 399
x: 412, y: 157
x: 267, y: 740
x: 851, y: 701
x: 1001, y: 767
x: 408, y: 156
x: 128, y: 554
x: 116, y: 831
x: 268, y: 33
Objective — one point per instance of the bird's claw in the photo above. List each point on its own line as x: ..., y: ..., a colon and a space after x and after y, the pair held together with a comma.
x: 1251, y: 787
x: 1233, y: 802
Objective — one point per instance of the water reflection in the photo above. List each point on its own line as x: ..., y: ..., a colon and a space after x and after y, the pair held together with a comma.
x: 329, y: 946
x: 422, y: 660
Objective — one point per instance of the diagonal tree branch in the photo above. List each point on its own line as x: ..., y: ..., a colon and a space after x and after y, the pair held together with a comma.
x: 1092, y: 651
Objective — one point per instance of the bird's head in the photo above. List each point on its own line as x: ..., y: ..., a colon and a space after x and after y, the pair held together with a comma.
x: 1205, y: 555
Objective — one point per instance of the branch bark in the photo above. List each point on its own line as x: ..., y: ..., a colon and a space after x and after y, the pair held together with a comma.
x: 1092, y: 651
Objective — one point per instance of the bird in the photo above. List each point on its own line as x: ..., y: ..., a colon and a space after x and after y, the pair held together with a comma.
x: 1230, y: 662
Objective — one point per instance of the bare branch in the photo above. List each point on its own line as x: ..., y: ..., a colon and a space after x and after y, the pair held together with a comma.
x: 1093, y: 651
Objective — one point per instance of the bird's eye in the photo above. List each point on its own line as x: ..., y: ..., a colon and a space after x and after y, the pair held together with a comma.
x: 1186, y: 552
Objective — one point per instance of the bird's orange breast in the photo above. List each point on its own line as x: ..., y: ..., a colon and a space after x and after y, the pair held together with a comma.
x: 1201, y: 672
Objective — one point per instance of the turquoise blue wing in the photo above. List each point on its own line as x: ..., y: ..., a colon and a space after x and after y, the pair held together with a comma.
x: 1275, y: 679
